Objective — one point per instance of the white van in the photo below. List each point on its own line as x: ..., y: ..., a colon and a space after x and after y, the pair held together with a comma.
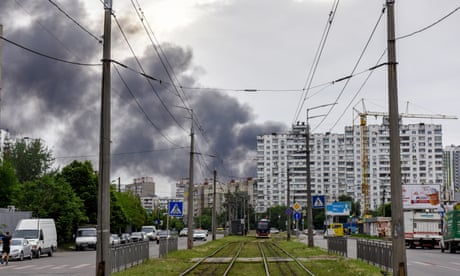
x: 40, y: 233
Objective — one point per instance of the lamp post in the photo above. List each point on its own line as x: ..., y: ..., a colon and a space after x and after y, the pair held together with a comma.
x: 309, y: 203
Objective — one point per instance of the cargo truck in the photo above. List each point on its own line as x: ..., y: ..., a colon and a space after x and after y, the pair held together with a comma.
x: 451, y: 235
x: 422, y: 229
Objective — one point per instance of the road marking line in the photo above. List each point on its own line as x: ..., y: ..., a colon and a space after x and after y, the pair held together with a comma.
x: 43, y: 267
x: 79, y: 266
x: 422, y: 263
x: 59, y: 267
x: 23, y: 267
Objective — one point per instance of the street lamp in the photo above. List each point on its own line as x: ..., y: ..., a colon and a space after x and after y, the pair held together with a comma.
x: 309, y: 203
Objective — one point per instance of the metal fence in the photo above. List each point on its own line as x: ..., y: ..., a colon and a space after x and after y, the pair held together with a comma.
x: 337, y: 245
x: 167, y: 245
x: 375, y: 252
x: 127, y: 255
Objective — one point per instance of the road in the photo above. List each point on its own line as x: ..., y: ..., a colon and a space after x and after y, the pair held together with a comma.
x: 72, y: 263
x: 420, y: 262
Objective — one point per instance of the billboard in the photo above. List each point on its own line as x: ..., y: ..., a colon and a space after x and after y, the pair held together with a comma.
x: 421, y: 196
x: 341, y: 208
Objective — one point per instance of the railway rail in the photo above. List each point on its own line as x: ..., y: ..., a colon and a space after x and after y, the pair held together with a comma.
x: 272, y: 258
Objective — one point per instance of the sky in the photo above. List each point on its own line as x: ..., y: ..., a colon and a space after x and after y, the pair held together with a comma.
x: 245, y: 68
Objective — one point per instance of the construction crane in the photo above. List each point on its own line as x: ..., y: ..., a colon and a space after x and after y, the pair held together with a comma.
x: 365, y: 144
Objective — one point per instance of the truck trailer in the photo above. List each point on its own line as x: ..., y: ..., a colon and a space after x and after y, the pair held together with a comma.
x: 422, y: 228
x: 451, y: 235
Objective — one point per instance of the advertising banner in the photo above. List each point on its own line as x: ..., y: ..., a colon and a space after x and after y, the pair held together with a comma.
x: 341, y: 208
x: 421, y: 196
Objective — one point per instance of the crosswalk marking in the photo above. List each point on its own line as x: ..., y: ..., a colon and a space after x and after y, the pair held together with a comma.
x: 79, y: 266
x: 43, y: 267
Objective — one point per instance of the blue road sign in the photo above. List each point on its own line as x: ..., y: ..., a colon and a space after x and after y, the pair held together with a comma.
x: 318, y: 202
x: 297, y: 216
x: 175, y: 209
x: 288, y: 211
x: 341, y: 208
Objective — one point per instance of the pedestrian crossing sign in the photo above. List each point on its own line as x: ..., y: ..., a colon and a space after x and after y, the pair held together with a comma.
x: 175, y: 209
x: 318, y: 202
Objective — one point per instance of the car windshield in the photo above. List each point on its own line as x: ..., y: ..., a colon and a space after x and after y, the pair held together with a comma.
x: 26, y: 234
x: 147, y: 229
x: 16, y: 242
x: 86, y: 233
x: 137, y: 234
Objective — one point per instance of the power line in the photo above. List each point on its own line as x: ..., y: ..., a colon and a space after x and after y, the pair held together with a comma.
x: 316, y: 59
x: 48, y: 56
x: 429, y: 26
x: 75, y: 21
x: 355, y: 66
x: 142, y: 109
x: 144, y: 74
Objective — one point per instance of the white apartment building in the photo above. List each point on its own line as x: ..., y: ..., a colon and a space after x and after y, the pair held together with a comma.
x: 452, y: 173
x: 336, y: 163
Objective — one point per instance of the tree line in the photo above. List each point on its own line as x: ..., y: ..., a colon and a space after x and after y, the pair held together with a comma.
x: 68, y: 195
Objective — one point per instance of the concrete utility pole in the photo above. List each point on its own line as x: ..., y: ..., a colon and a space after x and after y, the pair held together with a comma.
x: 397, y: 221
x: 309, y: 203
x: 103, y: 266
x: 190, y: 190
x: 1, y: 61
x: 289, y: 213
x: 214, y: 206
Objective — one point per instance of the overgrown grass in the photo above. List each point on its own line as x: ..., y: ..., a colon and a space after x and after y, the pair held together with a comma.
x: 314, y: 258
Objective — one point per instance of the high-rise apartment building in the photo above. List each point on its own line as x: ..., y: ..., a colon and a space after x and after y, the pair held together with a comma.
x: 452, y: 173
x: 336, y: 163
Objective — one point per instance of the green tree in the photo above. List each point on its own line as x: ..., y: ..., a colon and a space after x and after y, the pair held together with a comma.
x: 83, y: 179
x: 30, y: 159
x: 9, y: 184
x: 118, y: 218
x: 132, y: 207
x: 53, y: 197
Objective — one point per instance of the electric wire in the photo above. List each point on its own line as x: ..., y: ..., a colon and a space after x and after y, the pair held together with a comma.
x: 429, y: 26
x: 354, y: 68
x: 316, y: 60
x: 47, y: 30
x: 48, y: 56
x: 142, y: 109
x: 144, y: 74
x: 75, y: 21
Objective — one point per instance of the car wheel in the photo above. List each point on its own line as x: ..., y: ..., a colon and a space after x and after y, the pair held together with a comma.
x: 30, y: 256
x: 21, y: 256
x: 50, y: 253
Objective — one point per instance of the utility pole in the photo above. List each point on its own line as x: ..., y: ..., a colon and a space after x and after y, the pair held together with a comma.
x: 190, y: 190
x: 214, y: 206
x: 103, y: 266
x: 309, y: 203
x: 1, y: 61
x: 289, y: 213
x: 397, y: 222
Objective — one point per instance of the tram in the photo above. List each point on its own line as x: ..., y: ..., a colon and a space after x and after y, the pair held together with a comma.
x: 263, y: 228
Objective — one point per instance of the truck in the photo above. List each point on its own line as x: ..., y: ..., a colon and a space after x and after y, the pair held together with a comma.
x: 451, y: 235
x: 40, y: 233
x: 422, y: 228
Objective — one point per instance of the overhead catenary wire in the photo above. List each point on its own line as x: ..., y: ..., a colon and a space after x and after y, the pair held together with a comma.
x: 75, y: 21
x: 363, y: 51
x: 314, y: 66
x: 48, y: 56
x: 144, y: 73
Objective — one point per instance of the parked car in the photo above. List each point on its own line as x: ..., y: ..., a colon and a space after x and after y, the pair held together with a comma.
x: 20, y: 248
x: 86, y: 238
x: 40, y: 233
x: 125, y: 238
x: 164, y: 234
x: 274, y: 230
x: 138, y: 236
x: 199, y: 234
x: 150, y: 231
x: 183, y: 232
x: 114, y: 239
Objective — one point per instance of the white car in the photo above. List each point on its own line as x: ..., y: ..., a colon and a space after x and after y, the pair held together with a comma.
x: 183, y: 232
x: 199, y: 234
x: 19, y: 249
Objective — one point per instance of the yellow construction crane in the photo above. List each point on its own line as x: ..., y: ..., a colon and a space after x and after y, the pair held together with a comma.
x: 365, y: 143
